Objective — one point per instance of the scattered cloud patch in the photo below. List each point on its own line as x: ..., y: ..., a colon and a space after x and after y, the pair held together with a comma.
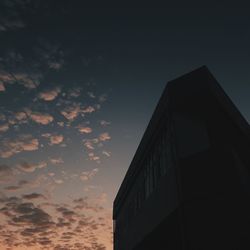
x: 104, y: 136
x: 84, y: 130
x: 11, y: 147
x: 41, y: 118
x: 104, y: 123
x: 94, y: 157
x: 6, y: 173
x: 89, y: 143
x: 31, y: 167
x: 4, y: 127
x: 108, y: 154
x: 70, y: 113
x: 33, y: 196
x: 88, y: 109
x: 54, y: 139
x: 88, y: 175
x: 49, y: 95
x: 56, y: 161
x: 2, y: 87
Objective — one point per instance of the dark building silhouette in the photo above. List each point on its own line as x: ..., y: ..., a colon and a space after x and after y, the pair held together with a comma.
x: 188, y: 185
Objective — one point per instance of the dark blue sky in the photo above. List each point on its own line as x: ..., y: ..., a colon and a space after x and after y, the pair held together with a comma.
x: 78, y: 85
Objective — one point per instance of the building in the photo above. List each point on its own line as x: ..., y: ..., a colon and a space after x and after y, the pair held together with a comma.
x: 188, y: 185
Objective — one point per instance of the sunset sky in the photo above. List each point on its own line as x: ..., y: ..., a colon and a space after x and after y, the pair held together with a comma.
x: 78, y: 85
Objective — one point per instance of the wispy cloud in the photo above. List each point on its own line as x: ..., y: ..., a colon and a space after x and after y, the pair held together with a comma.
x: 11, y: 147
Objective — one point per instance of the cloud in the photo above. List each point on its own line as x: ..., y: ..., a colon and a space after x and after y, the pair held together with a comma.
x: 108, y: 154
x: 49, y: 95
x: 88, y: 175
x: 11, y: 147
x: 104, y: 136
x: 29, y: 81
x: 56, y: 161
x: 91, y: 94
x: 75, y: 92
x: 2, y: 87
x: 54, y: 139
x: 89, y: 143
x: 41, y: 118
x: 20, y: 116
x: 84, y: 130
x: 4, y: 127
x: 58, y: 181
x: 33, y: 196
x: 102, y: 98
x: 2, y: 117
x: 94, y: 157
x: 88, y: 109
x: 8, y: 23
x: 104, y: 123
x: 50, y: 54
x: 56, y: 65
x: 6, y: 173
x: 29, y: 167
x: 70, y: 113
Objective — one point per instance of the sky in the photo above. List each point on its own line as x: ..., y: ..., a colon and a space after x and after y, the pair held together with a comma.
x: 78, y: 85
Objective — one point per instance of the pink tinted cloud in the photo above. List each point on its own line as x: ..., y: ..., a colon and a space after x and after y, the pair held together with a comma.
x: 4, y: 127
x: 88, y: 109
x: 84, y: 130
x: 22, y: 143
x: 70, y: 113
x: 88, y: 175
x: 2, y: 87
x: 41, y: 118
x: 89, y: 143
x: 104, y: 136
x: 20, y: 116
x: 49, y: 95
x: 31, y: 167
x: 54, y: 139
x: 56, y: 161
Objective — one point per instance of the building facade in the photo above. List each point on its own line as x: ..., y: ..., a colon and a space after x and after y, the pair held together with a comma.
x: 188, y: 185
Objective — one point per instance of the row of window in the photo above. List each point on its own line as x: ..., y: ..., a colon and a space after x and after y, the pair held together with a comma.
x: 155, y: 166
